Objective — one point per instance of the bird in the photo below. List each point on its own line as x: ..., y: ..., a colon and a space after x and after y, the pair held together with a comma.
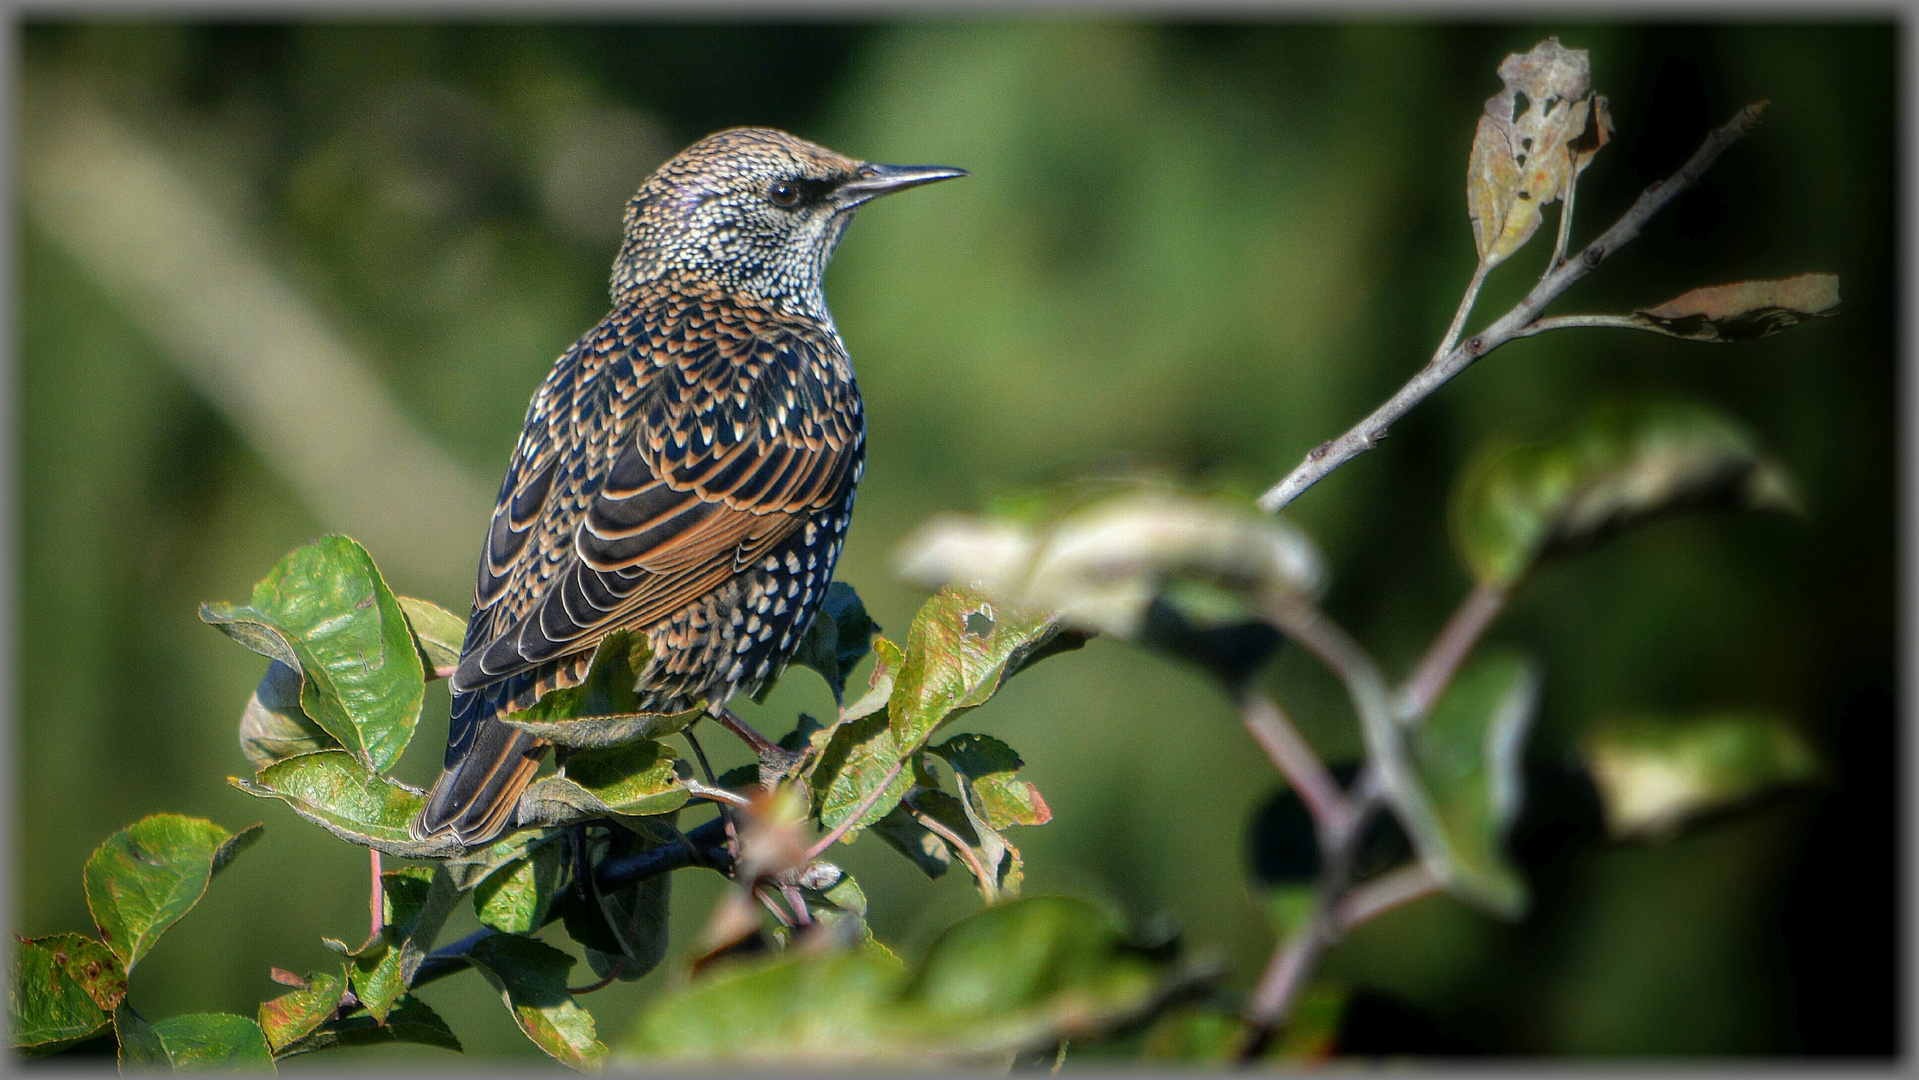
x: 686, y: 470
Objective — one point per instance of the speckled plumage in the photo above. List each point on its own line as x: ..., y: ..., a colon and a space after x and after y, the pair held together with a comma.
x: 687, y: 468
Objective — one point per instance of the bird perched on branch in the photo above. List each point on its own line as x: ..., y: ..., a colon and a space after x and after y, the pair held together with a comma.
x: 687, y: 468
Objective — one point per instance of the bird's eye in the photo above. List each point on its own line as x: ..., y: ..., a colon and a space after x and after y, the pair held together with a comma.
x: 784, y: 193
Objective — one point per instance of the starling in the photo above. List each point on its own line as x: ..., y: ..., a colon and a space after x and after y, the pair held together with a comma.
x: 687, y: 468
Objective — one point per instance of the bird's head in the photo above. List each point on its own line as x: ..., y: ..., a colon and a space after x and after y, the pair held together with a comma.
x: 752, y: 210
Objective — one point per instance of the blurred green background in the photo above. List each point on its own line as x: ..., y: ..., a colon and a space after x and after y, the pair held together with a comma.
x: 1209, y: 247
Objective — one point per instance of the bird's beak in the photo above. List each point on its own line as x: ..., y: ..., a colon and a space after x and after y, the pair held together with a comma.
x: 876, y: 180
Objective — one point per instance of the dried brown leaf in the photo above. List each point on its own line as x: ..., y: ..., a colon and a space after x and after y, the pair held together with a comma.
x: 1748, y: 309
x: 1521, y: 161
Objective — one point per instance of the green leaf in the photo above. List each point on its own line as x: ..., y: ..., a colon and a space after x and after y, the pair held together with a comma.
x: 1197, y: 1036
x: 335, y: 791
x: 291, y: 1017
x: 986, y: 768
x: 1655, y: 774
x: 605, y: 731
x: 140, y: 1047
x: 636, y: 779
x: 957, y: 650
x: 1468, y: 756
x: 603, y: 710
x: 274, y: 727
x: 1620, y: 465
x: 514, y: 899
x: 214, y: 1042
x: 840, y: 636
x: 1023, y: 975
x: 146, y: 876
x: 531, y: 978
x: 1742, y: 312
x: 798, y: 1009
x: 436, y: 631
x: 469, y: 869
x: 64, y: 989
x: 418, y: 900
x: 326, y: 610
x: 411, y: 1020
x: 634, y: 916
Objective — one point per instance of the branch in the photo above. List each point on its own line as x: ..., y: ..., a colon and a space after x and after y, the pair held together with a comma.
x: 1435, y: 671
x: 1293, y: 757
x: 1384, y: 893
x: 1365, y: 435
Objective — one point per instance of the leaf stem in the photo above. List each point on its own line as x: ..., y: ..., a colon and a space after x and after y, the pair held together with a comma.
x: 859, y: 811
x: 1293, y: 757
x: 1465, y: 308
x: 988, y: 887
x: 376, y: 901
x: 1384, y: 893
x: 1366, y: 434
x: 1435, y: 671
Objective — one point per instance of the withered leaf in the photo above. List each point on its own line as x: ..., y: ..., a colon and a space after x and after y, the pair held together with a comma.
x: 1521, y: 161
x: 1746, y: 310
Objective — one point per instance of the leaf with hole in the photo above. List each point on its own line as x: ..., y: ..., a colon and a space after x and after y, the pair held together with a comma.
x: 326, y: 611
x: 1523, y: 161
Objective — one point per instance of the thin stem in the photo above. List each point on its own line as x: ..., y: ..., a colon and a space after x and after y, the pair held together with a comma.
x: 1384, y: 893
x: 965, y: 850
x: 717, y: 794
x: 619, y: 965
x: 797, y: 902
x: 1279, y: 986
x: 726, y: 814
x: 1366, y: 434
x: 1462, y: 631
x: 859, y: 811
x: 376, y: 901
x: 1575, y: 322
x: 1465, y: 308
x: 1293, y: 757
x: 1565, y: 225
x: 766, y: 901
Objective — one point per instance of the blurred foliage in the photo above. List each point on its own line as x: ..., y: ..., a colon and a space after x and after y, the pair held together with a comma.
x: 1210, y: 247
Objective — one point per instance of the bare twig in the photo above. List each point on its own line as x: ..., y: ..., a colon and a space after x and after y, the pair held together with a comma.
x: 1293, y: 757
x: 766, y: 900
x: 1423, y: 687
x: 865, y: 804
x: 1365, y: 435
x: 797, y: 902
x: 1384, y: 893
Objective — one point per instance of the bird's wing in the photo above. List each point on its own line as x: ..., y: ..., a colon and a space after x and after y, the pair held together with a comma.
x: 699, y: 441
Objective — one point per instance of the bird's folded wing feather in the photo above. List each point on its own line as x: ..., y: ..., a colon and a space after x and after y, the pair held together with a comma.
x: 657, y: 462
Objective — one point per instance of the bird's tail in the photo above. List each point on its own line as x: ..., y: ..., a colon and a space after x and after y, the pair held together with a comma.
x: 475, y: 798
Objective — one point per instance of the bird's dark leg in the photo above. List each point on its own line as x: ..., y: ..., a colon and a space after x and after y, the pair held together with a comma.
x: 775, y: 761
